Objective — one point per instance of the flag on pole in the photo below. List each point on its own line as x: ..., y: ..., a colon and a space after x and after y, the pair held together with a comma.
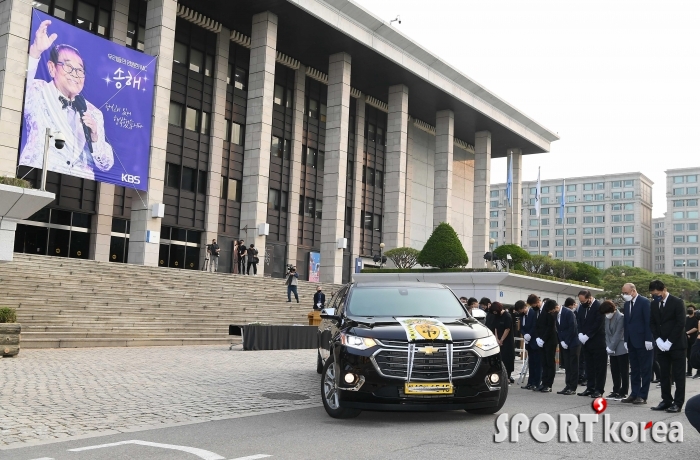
x: 509, y: 185
x: 537, y: 194
x: 563, y: 200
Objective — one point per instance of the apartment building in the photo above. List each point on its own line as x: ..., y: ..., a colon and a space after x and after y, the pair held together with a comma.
x: 607, y: 219
x: 681, y: 247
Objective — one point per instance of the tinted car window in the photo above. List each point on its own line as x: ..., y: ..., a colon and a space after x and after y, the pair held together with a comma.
x: 399, y: 301
x: 334, y: 301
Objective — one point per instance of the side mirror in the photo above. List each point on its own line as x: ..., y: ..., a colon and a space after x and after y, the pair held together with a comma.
x: 329, y: 313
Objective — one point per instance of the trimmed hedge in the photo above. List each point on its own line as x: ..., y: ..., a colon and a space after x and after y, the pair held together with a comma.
x: 8, y: 315
x: 426, y: 270
x: 4, y: 180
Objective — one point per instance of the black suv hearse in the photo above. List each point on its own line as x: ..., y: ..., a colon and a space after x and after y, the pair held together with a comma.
x: 406, y: 346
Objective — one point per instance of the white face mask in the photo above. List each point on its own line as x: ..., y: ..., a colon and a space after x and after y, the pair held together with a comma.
x: 626, y: 297
x: 609, y: 315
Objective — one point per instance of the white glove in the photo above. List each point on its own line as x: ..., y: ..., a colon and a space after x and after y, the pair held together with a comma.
x: 648, y: 345
x: 527, y: 337
x: 625, y: 344
x: 583, y: 338
x: 580, y: 337
x: 564, y: 345
x: 660, y: 344
x: 668, y: 345
x: 610, y: 352
x: 540, y: 342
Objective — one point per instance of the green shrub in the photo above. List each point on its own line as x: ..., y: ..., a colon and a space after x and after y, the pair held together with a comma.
x: 517, y: 254
x: 4, y: 180
x: 8, y: 315
x: 443, y: 249
x: 403, y: 257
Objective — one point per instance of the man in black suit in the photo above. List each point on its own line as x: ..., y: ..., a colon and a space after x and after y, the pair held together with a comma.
x: 534, y: 352
x: 668, y: 329
x: 639, y: 343
x: 546, y: 338
x: 592, y: 336
x: 570, y: 347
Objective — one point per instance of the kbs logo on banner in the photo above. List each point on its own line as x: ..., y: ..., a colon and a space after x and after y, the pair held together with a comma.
x: 129, y: 179
x: 545, y: 428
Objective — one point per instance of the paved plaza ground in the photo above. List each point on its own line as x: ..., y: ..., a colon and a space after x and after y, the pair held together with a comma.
x: 209, y: 402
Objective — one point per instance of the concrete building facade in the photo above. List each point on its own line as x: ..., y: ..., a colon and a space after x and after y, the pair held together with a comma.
x: 658, y: 244
x: 302, y: 127
x: 681, y: 249
x: 607, y: 219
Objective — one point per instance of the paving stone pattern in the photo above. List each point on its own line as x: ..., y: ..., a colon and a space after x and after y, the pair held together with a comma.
x: 61, y: 393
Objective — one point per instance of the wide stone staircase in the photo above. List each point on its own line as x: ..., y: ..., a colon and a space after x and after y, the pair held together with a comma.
x: 70, y: 303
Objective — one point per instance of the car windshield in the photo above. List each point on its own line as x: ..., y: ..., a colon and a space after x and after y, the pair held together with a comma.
x: 404, y: 301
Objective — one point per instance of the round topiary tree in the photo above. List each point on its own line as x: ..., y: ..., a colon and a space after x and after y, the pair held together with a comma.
x: 443, y: 249
x: 403, y: 257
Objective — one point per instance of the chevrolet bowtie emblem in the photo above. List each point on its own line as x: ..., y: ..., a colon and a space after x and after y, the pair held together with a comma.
x: 428, y: 350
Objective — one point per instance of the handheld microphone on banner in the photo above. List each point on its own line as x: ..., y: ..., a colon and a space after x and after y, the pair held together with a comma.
x: 80, y: 106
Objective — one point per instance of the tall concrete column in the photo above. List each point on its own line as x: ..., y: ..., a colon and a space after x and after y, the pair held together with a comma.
x: 101, y: 226
x: 357, y: 176
x: 160, y: 41
x: 395, y: 173
x: 295, y: 166
x: 482, y: 187
x: 444, y: 157
x: 515, y: 237
x: 216, y: 140
x: 120, y: 21
x: 258, y: 129
x: 335, y: 168
x: 15, y: 20
x: 409, y: 184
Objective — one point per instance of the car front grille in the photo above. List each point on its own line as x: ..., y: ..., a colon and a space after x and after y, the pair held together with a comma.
x: 393, y: 362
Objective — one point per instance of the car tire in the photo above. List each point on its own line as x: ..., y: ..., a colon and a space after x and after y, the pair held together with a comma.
x: 319, y: 363
x: 501, y: 397
x: 330, y: 395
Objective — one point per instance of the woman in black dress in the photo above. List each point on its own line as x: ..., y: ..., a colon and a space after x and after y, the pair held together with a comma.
x: 503, y: 330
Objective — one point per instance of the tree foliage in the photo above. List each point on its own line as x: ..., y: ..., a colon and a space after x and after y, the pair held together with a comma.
x: 539, y: 265
x: 443, y: 249
x: 517, y: 254
x: 613, y: 281
x: 585, y: 272
x: 403, y: 257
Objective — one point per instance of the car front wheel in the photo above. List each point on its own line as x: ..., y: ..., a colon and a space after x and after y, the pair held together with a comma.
x: 330, y: 394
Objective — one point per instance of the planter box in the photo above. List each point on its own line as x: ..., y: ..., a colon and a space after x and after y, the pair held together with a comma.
x: 17, y: 203
x: 9, y: 338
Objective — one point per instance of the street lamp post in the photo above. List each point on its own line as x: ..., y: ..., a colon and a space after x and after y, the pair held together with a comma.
x: 491, y: 243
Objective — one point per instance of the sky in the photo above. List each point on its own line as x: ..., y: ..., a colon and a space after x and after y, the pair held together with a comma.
x: 616, y: 79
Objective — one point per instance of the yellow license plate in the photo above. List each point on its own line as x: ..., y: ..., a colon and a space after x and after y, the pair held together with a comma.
x: 429, y: 389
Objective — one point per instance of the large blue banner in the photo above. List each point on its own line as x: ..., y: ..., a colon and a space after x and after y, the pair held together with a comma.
x: 98, y: 94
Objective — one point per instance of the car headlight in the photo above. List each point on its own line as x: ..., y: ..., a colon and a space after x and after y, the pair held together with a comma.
x: 487, y: 343
x: 353, y: 341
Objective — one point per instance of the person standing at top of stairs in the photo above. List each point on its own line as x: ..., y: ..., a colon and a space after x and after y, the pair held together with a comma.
x: 292, y: 283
